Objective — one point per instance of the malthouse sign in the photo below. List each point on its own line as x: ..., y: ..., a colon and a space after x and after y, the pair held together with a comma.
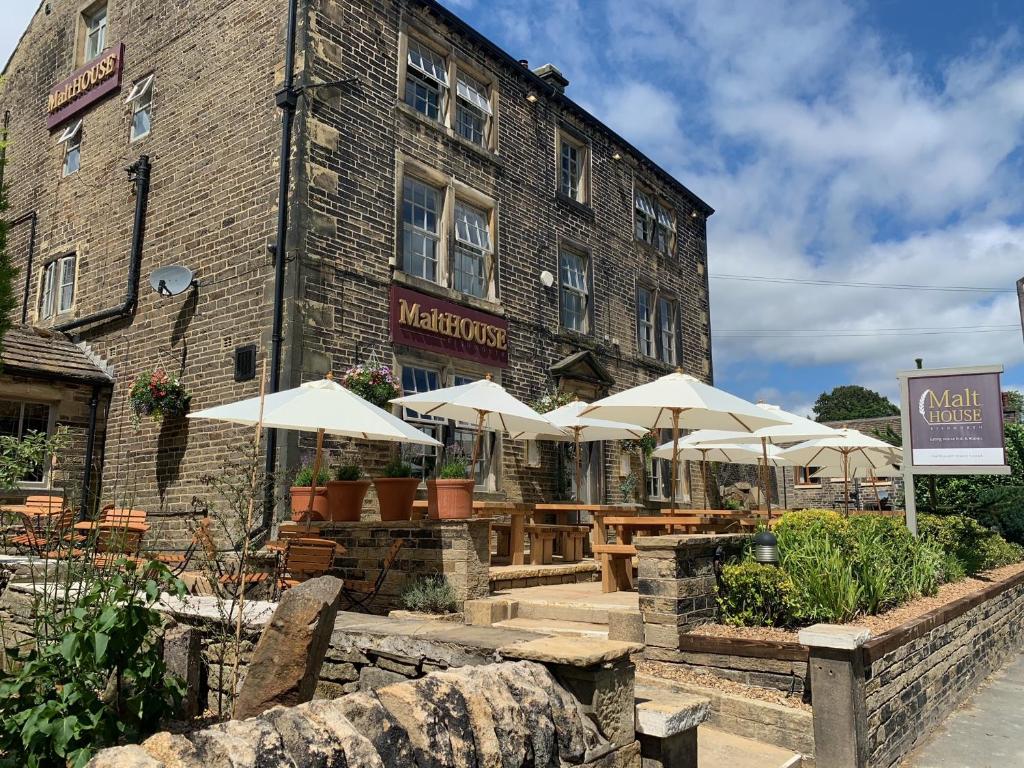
x: 956, y: 420
x: 426, y: 322
x: 85, y: 86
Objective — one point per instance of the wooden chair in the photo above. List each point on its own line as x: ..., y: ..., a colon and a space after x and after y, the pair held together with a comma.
x: 45, y: 533
x: 116, y: 543
x: 305, y: 559
x: 360, y: 593
x: 179, y: 561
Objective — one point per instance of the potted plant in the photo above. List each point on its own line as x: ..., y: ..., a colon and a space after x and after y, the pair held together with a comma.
x: 158, y: 394
x: 450, y: 496
x: 345, y: 494
x: 396, y: 490
x: 374, y: 383
x: 302, y: 488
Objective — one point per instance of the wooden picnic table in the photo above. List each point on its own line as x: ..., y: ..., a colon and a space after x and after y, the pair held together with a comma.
x: 518, y: 513
x: 280, y: 545
x: 89, y: 525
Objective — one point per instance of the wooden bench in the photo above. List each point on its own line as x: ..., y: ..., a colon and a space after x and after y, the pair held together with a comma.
x: 616, y: 566
x: 542, y: 540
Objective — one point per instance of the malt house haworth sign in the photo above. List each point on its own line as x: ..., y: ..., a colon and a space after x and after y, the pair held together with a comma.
x: 85, y: 86
x: 427, y: 322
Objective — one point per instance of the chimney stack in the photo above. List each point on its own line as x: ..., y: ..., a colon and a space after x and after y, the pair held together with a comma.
x: 551, y: 75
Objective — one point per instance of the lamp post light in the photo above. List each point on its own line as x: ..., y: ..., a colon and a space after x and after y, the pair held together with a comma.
x: 766, y: 548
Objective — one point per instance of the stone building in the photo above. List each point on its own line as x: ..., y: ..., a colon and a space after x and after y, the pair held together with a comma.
x: 446, y: 179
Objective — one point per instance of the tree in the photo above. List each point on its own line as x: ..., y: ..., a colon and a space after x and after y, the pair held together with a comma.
x: 852, y: 402
x: 7, y: 302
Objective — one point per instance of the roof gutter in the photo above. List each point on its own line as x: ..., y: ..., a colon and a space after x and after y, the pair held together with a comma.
x: 139, y: 173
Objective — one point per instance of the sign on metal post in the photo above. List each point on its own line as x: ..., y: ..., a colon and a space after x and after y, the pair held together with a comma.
x: 952, y: 425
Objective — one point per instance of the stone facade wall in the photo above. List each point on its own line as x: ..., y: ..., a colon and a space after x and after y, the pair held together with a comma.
x: 909, y: 689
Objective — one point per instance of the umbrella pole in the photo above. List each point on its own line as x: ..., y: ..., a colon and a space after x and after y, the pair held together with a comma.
x: 874, y: 484
x: 704, y: 476
x: 579, y: 474
x: 767, y: 477
x: 846, y: 483
x: 316, y: 472
x: 675, y: 454
x: 476, y: 443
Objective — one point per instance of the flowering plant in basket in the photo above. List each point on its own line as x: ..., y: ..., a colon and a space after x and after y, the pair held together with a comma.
x: 158, y: 394
x: 374, y: 383
x: 552, y: 400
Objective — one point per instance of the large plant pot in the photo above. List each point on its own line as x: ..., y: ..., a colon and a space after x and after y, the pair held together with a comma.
x: 454, y: 499
x: 345, y: 499
x: 300, y: 503
x: 395, y: 496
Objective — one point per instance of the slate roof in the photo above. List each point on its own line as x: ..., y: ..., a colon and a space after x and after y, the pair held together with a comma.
x: 46, y: 354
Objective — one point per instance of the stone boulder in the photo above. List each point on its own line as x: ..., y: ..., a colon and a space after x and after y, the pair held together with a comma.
x: 286, y: 662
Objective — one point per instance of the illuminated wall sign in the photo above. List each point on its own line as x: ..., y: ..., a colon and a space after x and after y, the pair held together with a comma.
x: 85, y: 86
x: 427, y: 322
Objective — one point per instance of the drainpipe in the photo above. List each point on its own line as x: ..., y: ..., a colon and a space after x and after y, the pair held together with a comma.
x: 139, y: 173
x: 31, y: 218
x: 287, y: 101
x: 90, y: 446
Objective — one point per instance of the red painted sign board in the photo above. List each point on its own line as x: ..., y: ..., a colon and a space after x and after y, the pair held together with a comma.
x: 427, y: 322
x: 85, y: 86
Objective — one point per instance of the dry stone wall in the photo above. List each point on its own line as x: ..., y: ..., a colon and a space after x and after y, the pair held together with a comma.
x: 510, y: 714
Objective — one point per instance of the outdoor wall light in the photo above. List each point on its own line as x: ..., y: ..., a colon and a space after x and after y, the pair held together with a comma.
x: 766, y: 548
x: 616, y: 156
x: 531, y: 97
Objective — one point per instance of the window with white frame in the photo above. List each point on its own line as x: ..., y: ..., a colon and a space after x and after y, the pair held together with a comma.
x: 18, y: 419
x: 645, y: 321
x: 472, y: 110
x: 95, y: 22
x: 572, y: 167
x: 667, y: 331
x: 645, y: 217
x: 57, y: 287
x: 421, y: 228
x: 665, y: 230
x: 574, y: 293
x: 426, y: 80
x: 141, y: 100
x: 472, y: 250
x: 71, y: 140
x: 422, y: 457
x: 659, y: 479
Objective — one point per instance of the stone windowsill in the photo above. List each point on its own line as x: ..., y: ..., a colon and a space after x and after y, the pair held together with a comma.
x: 447, y: 133
x: 490, y: 306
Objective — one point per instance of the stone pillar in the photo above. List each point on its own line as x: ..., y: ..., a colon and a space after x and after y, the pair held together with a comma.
x: 666, y: 727
x: 598, y: 673
x: 183, y: 658
x: 837, y: 685
x: 677, y: 583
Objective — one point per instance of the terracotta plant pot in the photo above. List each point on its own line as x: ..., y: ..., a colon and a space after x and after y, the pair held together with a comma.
x: 395, y: 496
x: 454, y: 499
x: 345, y: 499
x: 300, y: 503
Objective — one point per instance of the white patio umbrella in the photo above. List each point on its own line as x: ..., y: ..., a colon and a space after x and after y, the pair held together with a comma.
x: 693, y: 448
x: 322, y: 406
x: 845, y: 446
x: 794, y: 428
x: 583, y: 429
x: 484, y: 403
x: 679, y: 400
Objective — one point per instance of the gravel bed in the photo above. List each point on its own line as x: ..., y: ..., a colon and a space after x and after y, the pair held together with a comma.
x: 883, y: 622
x: 680, y: 674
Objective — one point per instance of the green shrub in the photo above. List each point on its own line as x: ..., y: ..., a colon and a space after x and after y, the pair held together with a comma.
x: 824, y: 585
x: 348, y: 473
x: 754, y: 595
x: 397, y: 468
x: 974, y: 546
x: 796, y: 529
x: 429, y: 594
x: 304, y: 477
x: 454, y: 468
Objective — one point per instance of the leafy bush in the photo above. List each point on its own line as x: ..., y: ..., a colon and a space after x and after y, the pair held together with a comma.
x: 455, y: 468
x: 754, y: 595
x: 347, y: 473
x: 304, y: 477
x: 95, y: 677
x: 397, y: 468
x: 429, y: 594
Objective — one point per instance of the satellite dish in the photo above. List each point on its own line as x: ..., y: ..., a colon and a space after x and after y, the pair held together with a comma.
x: 547, y: 279
x: 172, y: 280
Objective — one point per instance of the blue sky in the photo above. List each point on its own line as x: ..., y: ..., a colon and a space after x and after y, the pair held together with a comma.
x: 877, y: 141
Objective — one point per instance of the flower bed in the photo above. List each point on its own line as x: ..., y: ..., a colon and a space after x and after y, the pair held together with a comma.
x: 835, y: 569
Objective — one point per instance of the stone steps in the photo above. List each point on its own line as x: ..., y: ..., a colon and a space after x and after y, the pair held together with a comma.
x: 560, y: 611
x: 719, y: 749
x: 557, y: 627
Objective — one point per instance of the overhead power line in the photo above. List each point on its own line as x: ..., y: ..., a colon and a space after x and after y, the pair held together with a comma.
x: 855, y: 284
x: 995, y: 326
x: 842, y: 334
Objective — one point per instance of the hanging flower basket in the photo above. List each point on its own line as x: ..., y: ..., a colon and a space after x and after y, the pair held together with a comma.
x: 157, y: 394
x: 551, y: 401
x: 643, y: 447
x: 374, y: 383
